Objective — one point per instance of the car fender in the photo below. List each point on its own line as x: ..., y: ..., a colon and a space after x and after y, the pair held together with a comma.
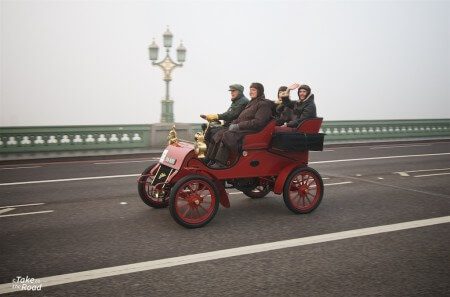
x: 281, y: 178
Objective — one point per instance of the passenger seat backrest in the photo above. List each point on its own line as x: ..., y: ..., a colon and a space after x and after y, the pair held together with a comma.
x: 259, y: 139
x: 310, y: 126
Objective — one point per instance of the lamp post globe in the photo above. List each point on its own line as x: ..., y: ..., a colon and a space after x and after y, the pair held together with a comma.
x: 153, y: 51
x: 167, y: 37
x: 181, y: 53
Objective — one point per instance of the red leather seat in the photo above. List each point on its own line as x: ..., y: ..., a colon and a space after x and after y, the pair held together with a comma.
x: 309, y: 126
x: 259, y: 140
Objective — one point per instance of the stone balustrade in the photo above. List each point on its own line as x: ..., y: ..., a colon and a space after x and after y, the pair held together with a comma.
x: 62, y: 138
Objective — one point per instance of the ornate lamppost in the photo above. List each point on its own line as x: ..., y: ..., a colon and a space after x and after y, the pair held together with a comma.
x: 167, y: 65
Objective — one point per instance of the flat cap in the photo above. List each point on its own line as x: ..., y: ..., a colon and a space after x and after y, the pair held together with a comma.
x: 236, y: 87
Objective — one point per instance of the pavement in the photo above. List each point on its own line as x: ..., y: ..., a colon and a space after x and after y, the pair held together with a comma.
x: 382, y: 229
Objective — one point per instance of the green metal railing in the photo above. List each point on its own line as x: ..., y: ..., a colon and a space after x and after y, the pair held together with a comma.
x: 66, y: 138
x: 62, y: 138
x: 385, y: 129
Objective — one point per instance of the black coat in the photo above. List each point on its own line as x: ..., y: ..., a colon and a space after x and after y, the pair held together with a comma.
x: 253, y: 118
x: 284, y: 112
x: 235, y: 109
x: 303, y: 110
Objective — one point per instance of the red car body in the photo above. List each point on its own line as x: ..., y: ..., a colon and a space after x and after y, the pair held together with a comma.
x: 258, y: 165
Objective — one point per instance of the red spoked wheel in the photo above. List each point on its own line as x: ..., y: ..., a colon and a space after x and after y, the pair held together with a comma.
x: 153, y: 196
x: 303, y: 190
x: 194, y: 201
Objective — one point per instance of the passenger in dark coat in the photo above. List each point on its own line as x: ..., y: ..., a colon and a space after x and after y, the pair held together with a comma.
x: 253, y: 118
x: 238, y: 103
x: 284, y: 107
x: 305, y: 108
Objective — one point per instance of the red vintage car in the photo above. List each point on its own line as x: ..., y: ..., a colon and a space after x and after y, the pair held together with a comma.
x: 274, y: 159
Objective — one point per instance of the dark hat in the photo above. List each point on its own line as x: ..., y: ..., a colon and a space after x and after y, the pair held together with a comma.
x: 258, y: 87
x: 306, y: 88
x: 236, y: 87
x: 282, y: 89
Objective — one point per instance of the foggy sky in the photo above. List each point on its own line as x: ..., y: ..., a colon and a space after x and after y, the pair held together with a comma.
x: 86, y: 62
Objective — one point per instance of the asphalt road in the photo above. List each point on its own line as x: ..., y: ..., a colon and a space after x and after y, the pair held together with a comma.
x: 65, y: 222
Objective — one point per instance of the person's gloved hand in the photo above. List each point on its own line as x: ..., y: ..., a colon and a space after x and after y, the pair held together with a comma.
x: 212, y: 117
x: 233, y: 127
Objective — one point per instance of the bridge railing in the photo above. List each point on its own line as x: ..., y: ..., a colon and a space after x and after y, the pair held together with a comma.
x: 385, y: 129
x: 65, y: 138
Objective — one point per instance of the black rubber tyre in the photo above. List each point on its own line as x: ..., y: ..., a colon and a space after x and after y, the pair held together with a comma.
x: 188, y: 199
x: 258, y: 192
x: 303, y: 190
x: 144, y: 190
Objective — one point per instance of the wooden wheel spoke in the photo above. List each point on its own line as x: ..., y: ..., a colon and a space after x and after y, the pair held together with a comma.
x: 188, y: 208
x: 201, y: 206
x: 309, y: 201
x: 312, y: 180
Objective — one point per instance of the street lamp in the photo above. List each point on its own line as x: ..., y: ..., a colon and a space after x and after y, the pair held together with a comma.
x: 167, y: 65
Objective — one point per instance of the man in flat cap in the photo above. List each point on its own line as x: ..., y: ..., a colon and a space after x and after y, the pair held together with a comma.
x: 238, y: 103
x: 255, y: 116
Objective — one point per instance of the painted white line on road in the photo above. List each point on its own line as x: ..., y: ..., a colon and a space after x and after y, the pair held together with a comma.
x: 67, y: 179
x: 122, y: 162
x: 330, y: 184
x: 26, y: 213
x: 6, y: 209
x: 12, y: 168
x: 406, y: 173
x: 21, y: 205
x: 433, y: 174
x: 341, y: 183
x: 378, y: 158
x: 394, y: 146
x: 129, y: 175
x: 402, y: 173
x: 226, y: 253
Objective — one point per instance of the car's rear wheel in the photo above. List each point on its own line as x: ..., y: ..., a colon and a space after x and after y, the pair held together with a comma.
x: 194, y: 201
x: 303, y: 190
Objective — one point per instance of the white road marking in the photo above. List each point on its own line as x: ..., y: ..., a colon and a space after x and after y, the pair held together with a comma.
x: 433, y: 174
x: 331, y: 184
x: 122, y: 162
x: 25, y: 213
x: 226, y: 253
x: 6, y: 209
x: 406, y: 173
x: 129, y: 175
x: 341, y: 183
x: 21, y: 205
x: 378, y: 158
x: 26, y: 167
x: 67, y: 179
x: 402, y: 173
x: 394, y: 146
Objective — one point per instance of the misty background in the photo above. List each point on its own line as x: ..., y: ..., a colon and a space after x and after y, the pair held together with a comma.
x: 86, y: 62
